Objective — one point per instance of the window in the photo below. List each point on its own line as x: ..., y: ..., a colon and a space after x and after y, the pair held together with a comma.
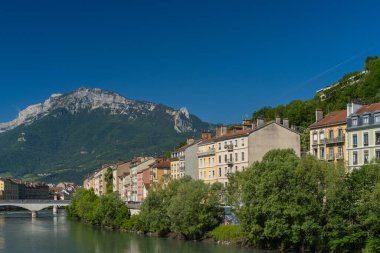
x: 322, y: 153
x: 377, y: 153
x: 365, y: 119
x: 331, y: 134
x: 340, y: 132
x: 377, y: 138
x: 220, y: 146
x: 315, y: 152
x: 236, y: 157
x: 236, y: 143
x: 331, y: 153
x: 209, y: 161
x: 212, y: 161
x: 340, y: 152
x: 315, y: 137
x: 220, y: 172
x: 365, y: 139
x: 242, y: 156
x: 242, y: 142
x: 355, y: 121
x: 377, y: 118
x: 355, y: 158
x: 213, y: 173
x: 236, y: 169
x: 225, y: 158
x: 354, y: 140
x: 366, y: 156
x: 321, y: 135
x: 220, y: 159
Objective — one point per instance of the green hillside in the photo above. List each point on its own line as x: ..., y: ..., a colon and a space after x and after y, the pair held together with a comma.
x: 66, y: 146
x: 359, y: 86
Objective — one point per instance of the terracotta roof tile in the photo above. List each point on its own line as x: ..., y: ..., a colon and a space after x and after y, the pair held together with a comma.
x: 337, y: 117
x: 368, y: 108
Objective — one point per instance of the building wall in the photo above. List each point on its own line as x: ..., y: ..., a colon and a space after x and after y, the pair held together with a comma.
x: 174, y: 169
x: 334, y: 150
x: 191, y: 161
x: 272, y: 136
x: 8, y: 189
x: 372, y: 149
x: 207, y: 162
x: 230, y: 160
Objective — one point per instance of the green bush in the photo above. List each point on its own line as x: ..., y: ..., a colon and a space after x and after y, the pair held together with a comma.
x: 229, y: 233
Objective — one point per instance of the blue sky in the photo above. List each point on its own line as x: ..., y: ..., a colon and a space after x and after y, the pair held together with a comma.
x: 220, y: 59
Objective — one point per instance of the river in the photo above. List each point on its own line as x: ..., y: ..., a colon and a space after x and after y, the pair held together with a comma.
x: 19, y: 233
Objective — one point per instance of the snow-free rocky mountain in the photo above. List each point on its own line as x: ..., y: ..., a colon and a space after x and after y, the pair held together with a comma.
x: 70, y: 134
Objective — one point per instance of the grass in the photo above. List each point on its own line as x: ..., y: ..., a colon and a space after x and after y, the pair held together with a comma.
x: 229, y: 233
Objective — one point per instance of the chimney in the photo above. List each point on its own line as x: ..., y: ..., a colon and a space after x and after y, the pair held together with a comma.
x: 278, y: 120
x: 285, y: 123
x: 352, y: 108
x: 221, y: 130
x: 318, y: 115
x: 190, y: 140
x: 206, y: 135
x: 260, y: 122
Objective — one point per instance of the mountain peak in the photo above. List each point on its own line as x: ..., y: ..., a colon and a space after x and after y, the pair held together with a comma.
x: 90, y: 99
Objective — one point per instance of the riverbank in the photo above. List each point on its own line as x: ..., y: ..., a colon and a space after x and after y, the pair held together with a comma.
x: 284, y: 203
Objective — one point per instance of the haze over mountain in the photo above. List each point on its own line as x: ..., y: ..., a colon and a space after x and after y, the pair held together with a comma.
x: 70, y: 134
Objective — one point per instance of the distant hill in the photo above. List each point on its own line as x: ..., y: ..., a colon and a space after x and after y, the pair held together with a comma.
x: 361, y: 86
x: 69, y: 135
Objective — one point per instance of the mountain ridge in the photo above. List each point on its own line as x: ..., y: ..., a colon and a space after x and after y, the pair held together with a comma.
x: 68, y: 135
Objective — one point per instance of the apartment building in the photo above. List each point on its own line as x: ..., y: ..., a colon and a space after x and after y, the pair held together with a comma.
x: 207, y: 159
x: 100, y: 184
x: 184, y: 161
x: 117, y: 176
x: 8, y: 189
x: 327, y: 136
x: 239, y: 148
x: 363, y: 134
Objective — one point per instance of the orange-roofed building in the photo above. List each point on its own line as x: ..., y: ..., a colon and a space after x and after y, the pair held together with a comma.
x: 327, y: 136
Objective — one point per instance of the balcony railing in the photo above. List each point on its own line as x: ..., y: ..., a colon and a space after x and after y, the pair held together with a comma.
x: 210, y: 151
x: 338, y: 139
x: 181, y: 168
x: 230, y: 162
x: 229, y: 147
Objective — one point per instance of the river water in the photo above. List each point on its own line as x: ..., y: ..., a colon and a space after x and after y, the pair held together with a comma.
x: 19, y: 233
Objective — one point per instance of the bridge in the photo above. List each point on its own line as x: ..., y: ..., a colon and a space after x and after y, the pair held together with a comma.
x: 35, y: 205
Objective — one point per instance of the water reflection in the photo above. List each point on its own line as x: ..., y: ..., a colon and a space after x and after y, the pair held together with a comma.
x: 20, y: 233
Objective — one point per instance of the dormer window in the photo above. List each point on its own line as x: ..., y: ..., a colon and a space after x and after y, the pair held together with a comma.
x: 377, y: 118
x: 366, y: 119
x: 355, y: 121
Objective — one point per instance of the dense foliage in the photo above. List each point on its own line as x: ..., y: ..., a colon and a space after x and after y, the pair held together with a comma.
x: 66, y: 147
x: 363, y: 87
x: 229, y: 233
x: 185, y: 207
x: 305, y: 204
x: 107, y: 210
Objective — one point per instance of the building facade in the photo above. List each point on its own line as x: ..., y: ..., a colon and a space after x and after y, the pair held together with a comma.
x: 328, y: 136
x: 207, y: 160
x: 363, y: 134
x: 8, y: 189
x: 184, y: 161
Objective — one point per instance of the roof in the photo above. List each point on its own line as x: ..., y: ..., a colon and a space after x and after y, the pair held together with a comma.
x: 368, y: 108
x: 188, y: 145
x: 233, y: 134
x: 334, y: 118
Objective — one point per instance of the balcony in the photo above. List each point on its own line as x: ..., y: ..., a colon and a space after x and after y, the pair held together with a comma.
x: 230, y: 162
x: 181, y: 157
x: 182, y: 168
x: 210, y: 151
x: 338, y: 139
x: 229, y: 147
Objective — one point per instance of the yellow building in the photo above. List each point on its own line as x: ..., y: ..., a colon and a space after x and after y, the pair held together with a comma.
x: 8, y: 189
x: 174, y: 168
x: 207, y: 159
x: 327, y: 136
